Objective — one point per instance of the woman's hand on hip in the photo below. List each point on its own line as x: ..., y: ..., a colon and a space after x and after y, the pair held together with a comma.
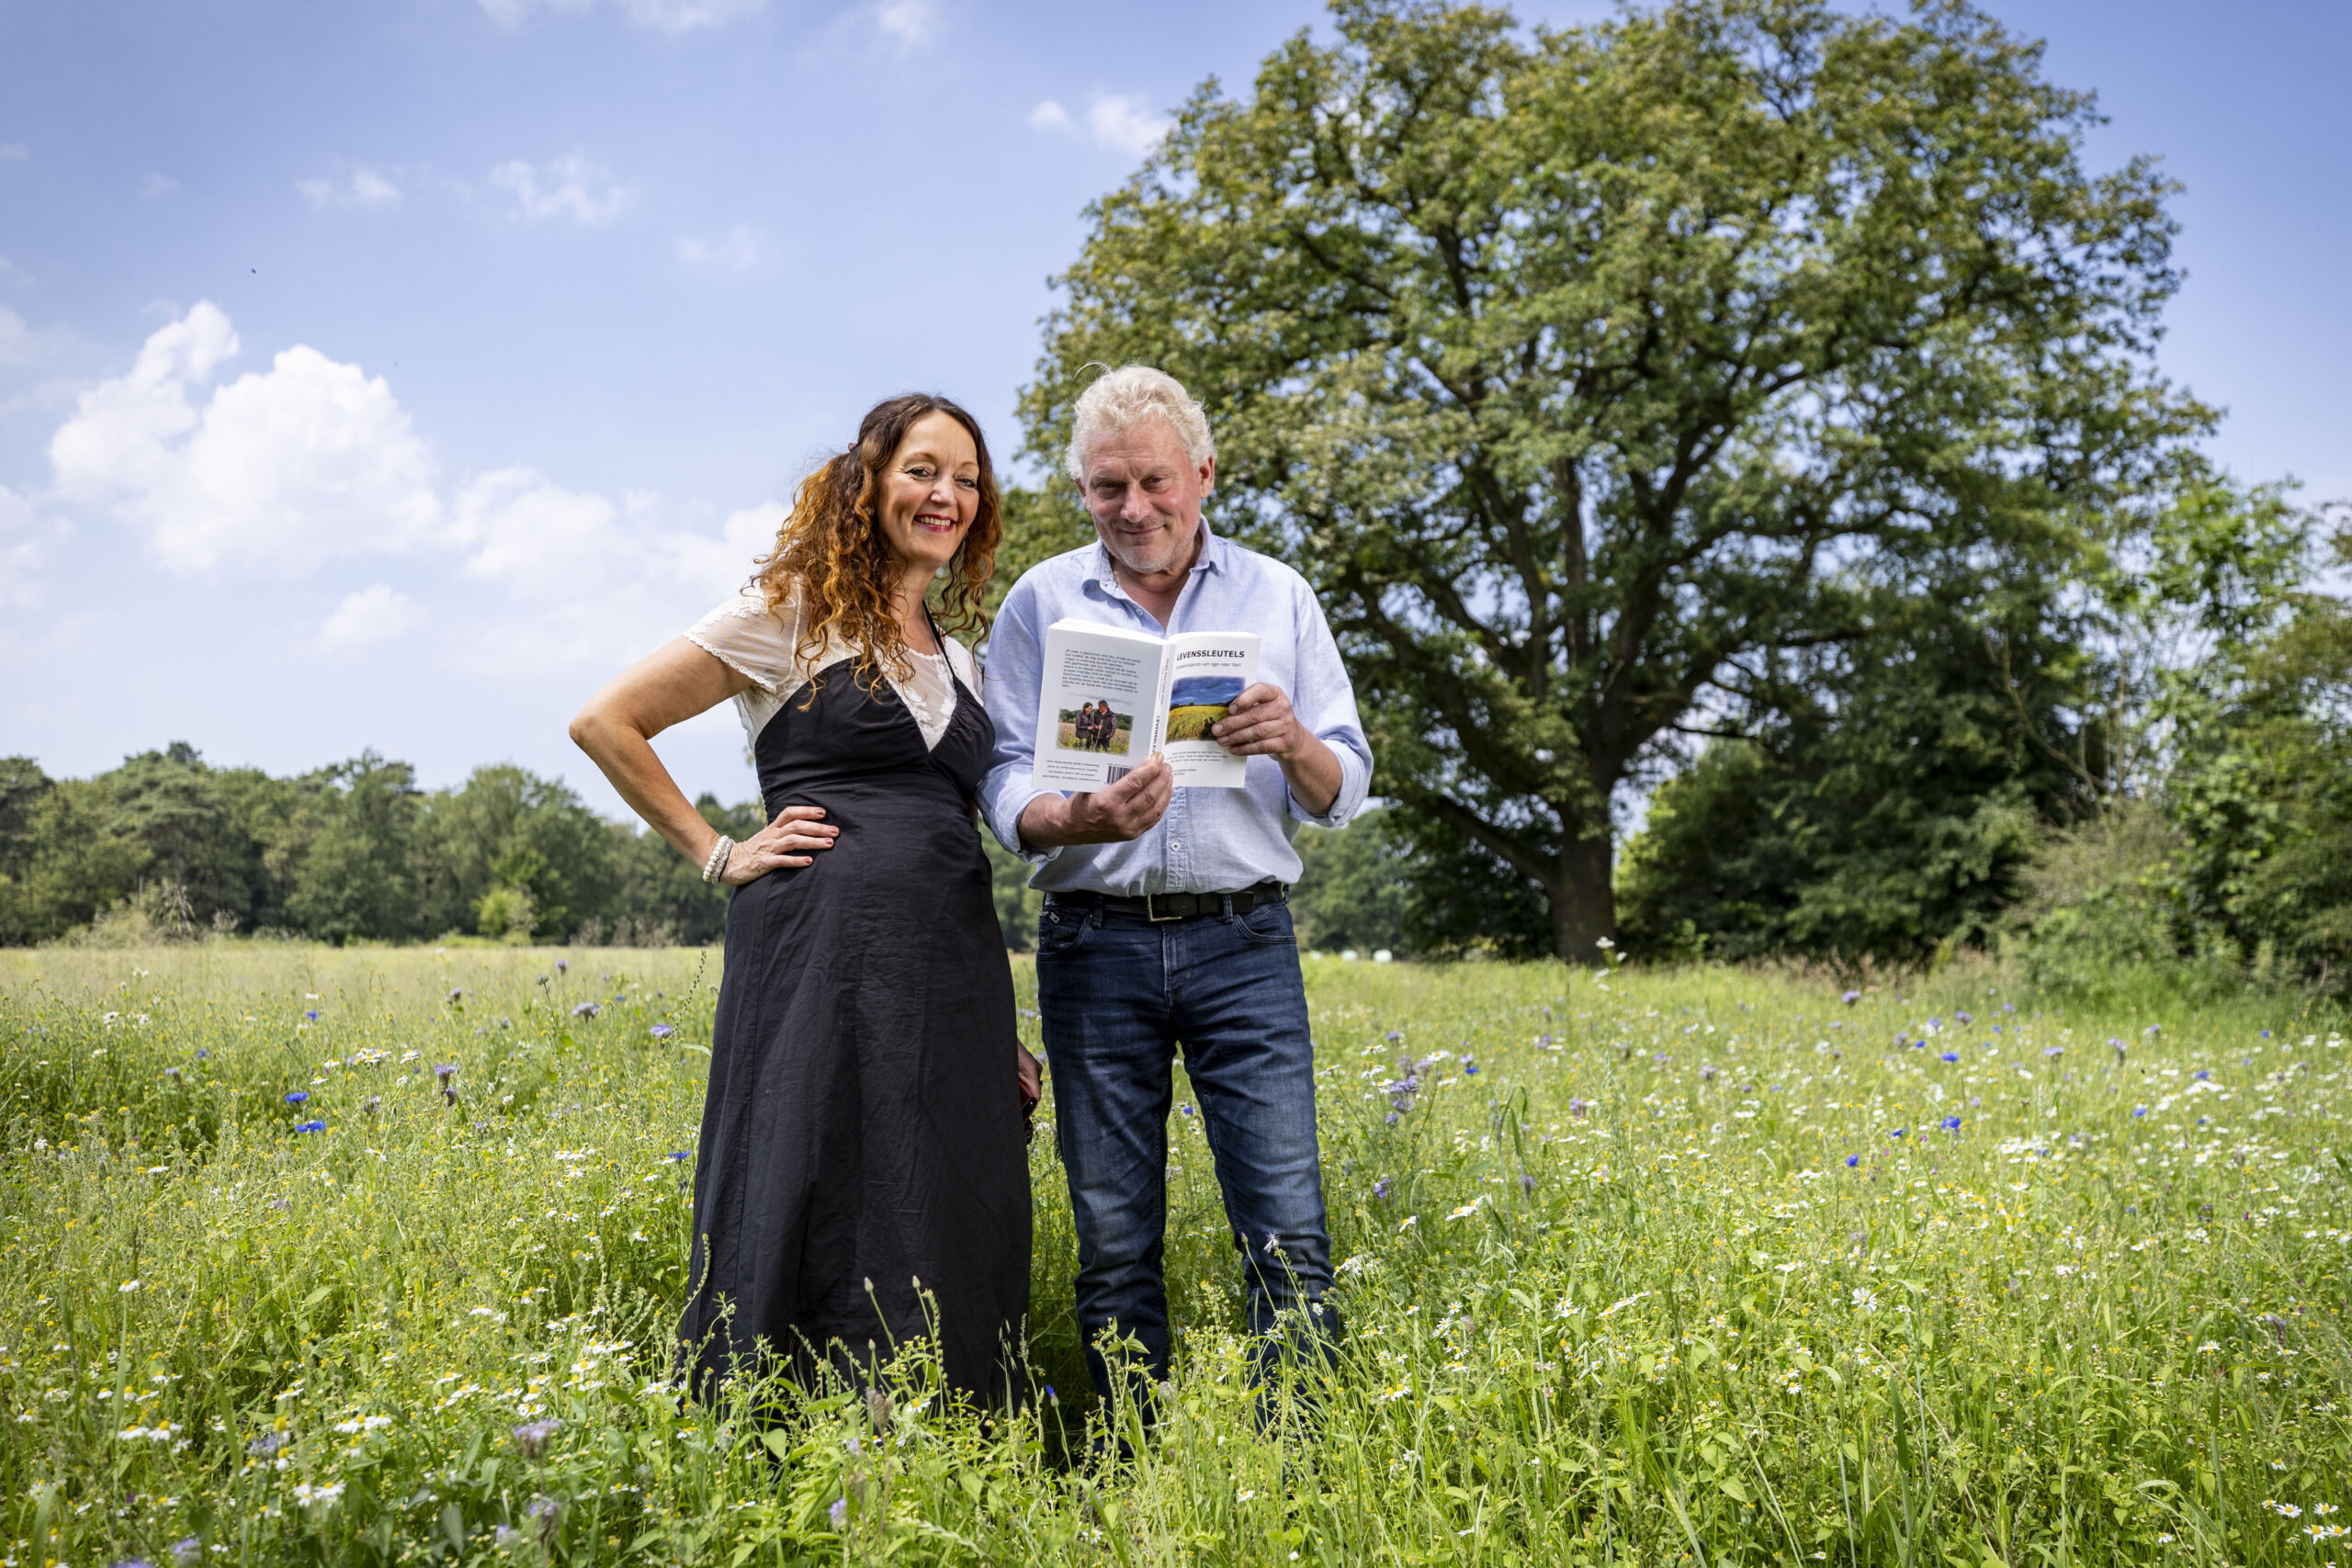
x: 792, y: 839
x: 1033, y: 1076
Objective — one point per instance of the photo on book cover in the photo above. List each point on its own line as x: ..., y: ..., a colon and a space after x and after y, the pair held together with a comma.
x: 1196, y: 702
x: 1097, y: 727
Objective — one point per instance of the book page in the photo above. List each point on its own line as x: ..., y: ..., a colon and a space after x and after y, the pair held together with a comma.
x: 1207, y: 671
x: 1095, y: 713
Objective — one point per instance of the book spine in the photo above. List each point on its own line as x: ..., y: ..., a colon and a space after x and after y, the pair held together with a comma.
x: 1160, y: 690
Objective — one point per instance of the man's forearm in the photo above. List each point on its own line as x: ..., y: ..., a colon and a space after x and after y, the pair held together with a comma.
x: 1046, y: 823
x: 1313, y: 775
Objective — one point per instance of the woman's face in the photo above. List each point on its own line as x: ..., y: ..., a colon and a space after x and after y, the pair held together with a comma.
x: 931, y: 492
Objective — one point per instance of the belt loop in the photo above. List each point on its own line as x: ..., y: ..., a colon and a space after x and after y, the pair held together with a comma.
x: 1226, y: 900
x: 1094, y: 913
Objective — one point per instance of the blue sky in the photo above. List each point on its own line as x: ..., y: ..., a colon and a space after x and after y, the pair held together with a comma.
x: 388, y: 372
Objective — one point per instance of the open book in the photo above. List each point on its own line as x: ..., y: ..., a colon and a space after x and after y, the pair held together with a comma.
x: 1114, y: 696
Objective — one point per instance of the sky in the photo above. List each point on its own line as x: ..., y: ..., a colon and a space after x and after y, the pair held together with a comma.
x: 391, y: 372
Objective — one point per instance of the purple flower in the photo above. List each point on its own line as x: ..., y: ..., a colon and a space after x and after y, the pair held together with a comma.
x: 1706, y: 1073
x: 661, y: 1030
x: 269, y: 1443
x: 310, y: 1126
x: 1526, y: 1185
x: 1380, y: 1188
x: 133, y: 1563
x: 312, y: 1014
x: 2150, y: 1031
x: 1578, y: 1107
x: 1951, y: 1124
x: 373, y: 1105
x: 532, y: 1438
x: 681, y: 1154
x: 1965, y: 1019
x: 586, y: 1009
x: 1951, y: 1056
x: 1934, y: 1024
x: 296, y: 1096
x: 457, y: 993
x: 839, y: 1513
x: 561, y: 964
x: 1850, y: 997
x: 445, y: 1072
x: 2200, y: 1074
x: 1853, y: 1160
x: 2266, y: 1034
x: 2139, y: 1111
x: 187, y: 1551
x: 1392, y: 1119
x: 1394, y: 1035
x: 1898, y: 1131
x: 1469, y: 1067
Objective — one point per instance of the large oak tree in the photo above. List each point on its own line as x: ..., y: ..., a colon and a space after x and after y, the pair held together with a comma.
x: 1591, y: 376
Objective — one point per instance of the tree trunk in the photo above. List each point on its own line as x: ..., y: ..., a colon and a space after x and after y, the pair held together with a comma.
x: 1584, y: 906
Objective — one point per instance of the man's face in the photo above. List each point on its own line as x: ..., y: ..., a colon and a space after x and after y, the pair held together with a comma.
x: 1144, y: 495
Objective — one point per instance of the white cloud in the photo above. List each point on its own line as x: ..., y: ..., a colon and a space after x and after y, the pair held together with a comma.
x: 1050, y: 116
x: 736, y: 249
x: 656, y: 15
x: 565, y: 187
x: 363, y: 188
x: 912, y: 23
x: 1119, y: 120
x: 155, y: 186
x: 280, y: 470
x: 377, y: 613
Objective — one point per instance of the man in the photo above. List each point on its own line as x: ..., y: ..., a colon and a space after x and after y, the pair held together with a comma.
x: 1165, y: 922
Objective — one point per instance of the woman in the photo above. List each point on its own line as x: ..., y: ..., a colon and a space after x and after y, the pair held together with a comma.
x: 863, y: 1128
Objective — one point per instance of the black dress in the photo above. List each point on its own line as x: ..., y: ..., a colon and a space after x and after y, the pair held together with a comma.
x: 863, y: 1129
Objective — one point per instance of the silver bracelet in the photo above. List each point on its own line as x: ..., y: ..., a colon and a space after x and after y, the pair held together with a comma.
x: 716, y: 867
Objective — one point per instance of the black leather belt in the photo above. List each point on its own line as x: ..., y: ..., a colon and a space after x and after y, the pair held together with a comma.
x: 1158, y: 907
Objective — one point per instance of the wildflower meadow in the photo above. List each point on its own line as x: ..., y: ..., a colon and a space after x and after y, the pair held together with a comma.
x: 373, y: 1257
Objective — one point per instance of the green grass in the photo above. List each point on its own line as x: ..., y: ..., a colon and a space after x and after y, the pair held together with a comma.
x: 1193, y: 723
x: 1625, y: 1299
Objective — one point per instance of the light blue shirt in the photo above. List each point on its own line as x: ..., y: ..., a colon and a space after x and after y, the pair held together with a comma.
x: 1210, y: 841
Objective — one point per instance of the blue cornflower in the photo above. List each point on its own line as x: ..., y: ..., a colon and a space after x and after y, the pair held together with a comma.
x: 1853, y: 1160
x: 1951, y: 1124
x: 312, y: 1014
x: 2266, y: 1034
x: 1898, y: 1131
x: 296, y: 1096
x: 2139, y: 1111
x: 1183, y: 1110
x: 681, y: 1154
x: 201, y: 1056
x: 1469, y: 1067
x: 1380, y: 1188
x: 661, y: 1030
x: 1951, y: 1056
x: 2200, y: 1074
x: 310, y: 1126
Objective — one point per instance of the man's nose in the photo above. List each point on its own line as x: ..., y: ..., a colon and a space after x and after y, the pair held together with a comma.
x: 1136, y: 508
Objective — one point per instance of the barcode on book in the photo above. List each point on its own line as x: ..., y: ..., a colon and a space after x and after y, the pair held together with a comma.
x: 1114, y: 774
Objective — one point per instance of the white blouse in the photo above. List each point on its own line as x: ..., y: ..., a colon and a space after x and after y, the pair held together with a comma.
x: 758, y: 644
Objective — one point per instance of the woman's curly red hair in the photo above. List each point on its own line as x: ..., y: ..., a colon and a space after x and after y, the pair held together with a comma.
x: 831, y: 548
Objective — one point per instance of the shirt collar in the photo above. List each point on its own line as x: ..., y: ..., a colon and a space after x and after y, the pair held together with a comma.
x: 1212, y: 557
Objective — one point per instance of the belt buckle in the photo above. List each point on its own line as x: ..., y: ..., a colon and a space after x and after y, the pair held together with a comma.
x: 1151, y: 910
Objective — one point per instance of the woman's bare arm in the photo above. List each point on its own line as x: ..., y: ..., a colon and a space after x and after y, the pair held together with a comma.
x: 669, y: 686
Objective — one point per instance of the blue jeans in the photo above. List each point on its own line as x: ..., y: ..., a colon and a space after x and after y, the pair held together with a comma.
x: 1118, y: 995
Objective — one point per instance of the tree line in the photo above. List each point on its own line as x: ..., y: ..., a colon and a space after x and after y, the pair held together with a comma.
x: 168, y: 846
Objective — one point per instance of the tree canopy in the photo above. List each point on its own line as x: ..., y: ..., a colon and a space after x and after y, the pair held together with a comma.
x: 1594, y: 375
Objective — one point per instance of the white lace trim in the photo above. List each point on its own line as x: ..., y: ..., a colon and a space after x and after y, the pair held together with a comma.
x: 757, y: 643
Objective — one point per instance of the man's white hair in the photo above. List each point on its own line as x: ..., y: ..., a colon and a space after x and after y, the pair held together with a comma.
x: 1127, y: 396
